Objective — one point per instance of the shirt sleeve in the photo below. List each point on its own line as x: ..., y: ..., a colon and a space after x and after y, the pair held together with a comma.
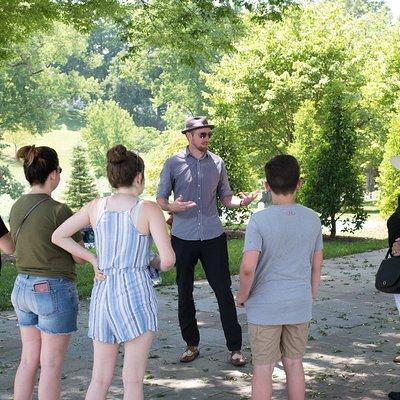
x: 318, y: 242
x: 223, y: 189
x: 64, y: 213
x: 253, y: 238
x: 3, y: 228
x: 165, y: 185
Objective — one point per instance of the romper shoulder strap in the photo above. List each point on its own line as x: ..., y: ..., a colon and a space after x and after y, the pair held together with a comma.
x: 135, y: 212
x: 101, y: 206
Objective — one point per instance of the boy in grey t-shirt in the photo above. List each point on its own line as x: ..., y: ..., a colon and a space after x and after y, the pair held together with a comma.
x: 279, y: 278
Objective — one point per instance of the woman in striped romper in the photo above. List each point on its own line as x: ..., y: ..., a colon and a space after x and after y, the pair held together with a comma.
x: 123, y: 306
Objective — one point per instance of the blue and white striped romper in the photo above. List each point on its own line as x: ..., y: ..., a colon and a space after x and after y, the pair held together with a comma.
x: 124, y: 305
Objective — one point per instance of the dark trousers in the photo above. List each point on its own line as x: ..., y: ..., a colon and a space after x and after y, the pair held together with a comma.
x: 213, y: 255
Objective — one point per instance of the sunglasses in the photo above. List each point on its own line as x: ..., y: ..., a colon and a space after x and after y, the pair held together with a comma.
x: 203, y: 135
x: 59, y: 170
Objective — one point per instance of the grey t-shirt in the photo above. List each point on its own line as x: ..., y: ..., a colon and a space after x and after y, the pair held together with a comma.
x: 287, y: 237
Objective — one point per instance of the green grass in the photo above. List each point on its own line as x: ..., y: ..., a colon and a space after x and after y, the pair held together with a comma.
x: 332, y: 248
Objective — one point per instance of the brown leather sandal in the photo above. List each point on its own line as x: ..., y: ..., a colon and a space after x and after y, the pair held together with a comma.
x: 237, y: 359
x: 189, y: 354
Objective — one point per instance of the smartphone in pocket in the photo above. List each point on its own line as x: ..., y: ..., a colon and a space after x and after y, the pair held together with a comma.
x: 41, y: 287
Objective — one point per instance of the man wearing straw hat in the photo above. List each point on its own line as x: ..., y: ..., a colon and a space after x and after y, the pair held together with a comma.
x: 197, y: 177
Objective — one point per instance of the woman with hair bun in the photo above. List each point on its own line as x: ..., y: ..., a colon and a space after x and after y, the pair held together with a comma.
x: 123, y: 306
x: 44, y: 294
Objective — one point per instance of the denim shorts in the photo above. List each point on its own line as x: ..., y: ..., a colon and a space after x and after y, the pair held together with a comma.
x: 53, y: 309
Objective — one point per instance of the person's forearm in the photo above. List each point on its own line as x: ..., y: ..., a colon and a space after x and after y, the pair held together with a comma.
x: 6, y: 244
x: 246, y: 281
x: 69, y: 244
x: 79, y: 260
x: 164, y: 204
x: 315, y: 280
x: 316, y: 272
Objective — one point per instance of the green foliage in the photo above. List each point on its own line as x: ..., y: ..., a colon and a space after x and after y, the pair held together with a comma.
x: 273, y: 9
x: 174, y: 43
x: 33, y: 91
x: 18, y: 138
x: 279, y: 65
x: 362, y: 7
x: 240, y: 167
x: 168, y: 143
x: 389, y: 179
x: 23, y: 19
x: 190, y: 29
x: 81, y: 187
x: 326, y: 145
x: 145, y: 140
x: 8, y: 185
x: 108, y: 125
x: 124, y: 84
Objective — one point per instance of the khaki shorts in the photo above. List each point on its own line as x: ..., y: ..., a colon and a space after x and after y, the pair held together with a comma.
x: 269, y: 343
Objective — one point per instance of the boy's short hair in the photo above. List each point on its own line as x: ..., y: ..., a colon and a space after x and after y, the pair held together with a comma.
x: 282, y: 173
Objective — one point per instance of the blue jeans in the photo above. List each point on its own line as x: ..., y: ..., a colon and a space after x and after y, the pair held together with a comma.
x: 50, y: 304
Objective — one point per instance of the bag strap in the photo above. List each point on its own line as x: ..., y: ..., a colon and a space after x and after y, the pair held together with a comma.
x: 387, y: 254
x: 26, y: 216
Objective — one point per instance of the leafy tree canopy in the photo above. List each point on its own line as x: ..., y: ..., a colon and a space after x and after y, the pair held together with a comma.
x: 33, y: 89
x: 389, y: 179
x: 21, y: 19
x: 326, y: 146
x: 107, y: 125
x: 278, y: 66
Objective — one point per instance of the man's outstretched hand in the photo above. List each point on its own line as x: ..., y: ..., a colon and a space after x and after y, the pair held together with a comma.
x: 179, y: 205
x: 248, y: 197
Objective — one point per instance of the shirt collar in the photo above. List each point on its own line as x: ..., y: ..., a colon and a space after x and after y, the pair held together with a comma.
x: 188, y: 153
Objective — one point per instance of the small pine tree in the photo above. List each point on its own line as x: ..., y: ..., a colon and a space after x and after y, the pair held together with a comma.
x: 389, y: 177
x: 81, y: 187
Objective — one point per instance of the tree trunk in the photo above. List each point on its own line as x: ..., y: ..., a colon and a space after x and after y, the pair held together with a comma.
x: 370, y: 179
x: 333, y: 226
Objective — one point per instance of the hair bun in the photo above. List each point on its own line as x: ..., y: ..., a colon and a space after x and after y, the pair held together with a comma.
x: 117, y: 154
x: 27, y: 154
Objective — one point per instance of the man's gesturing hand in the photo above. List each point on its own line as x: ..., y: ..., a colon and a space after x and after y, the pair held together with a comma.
x: 179, y: 205
x: 247, y: 198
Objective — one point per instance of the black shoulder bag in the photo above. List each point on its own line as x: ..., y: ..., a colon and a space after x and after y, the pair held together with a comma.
x: 387, y: 279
